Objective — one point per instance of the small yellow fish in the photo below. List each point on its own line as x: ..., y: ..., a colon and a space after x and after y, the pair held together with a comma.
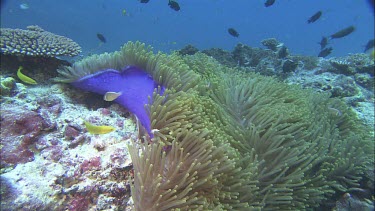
x: 94, y: 129
x: 111, y: 96
x: 124, y: 12
x: 25, y: 78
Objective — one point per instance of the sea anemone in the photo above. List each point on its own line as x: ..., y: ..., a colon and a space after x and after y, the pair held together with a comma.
x: 230, y: 140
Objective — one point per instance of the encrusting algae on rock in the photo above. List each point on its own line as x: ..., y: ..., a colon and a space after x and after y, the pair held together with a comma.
x: 48, y: 159
x: 244, y: 142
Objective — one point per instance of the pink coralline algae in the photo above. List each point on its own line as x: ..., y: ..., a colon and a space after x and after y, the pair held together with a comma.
x: 71, y: 132
x: 92, y: 164
x: 20, y: 128
x: 105, y: 111
x: 118, y: 158
x: 78, y: 203
x: 53, y: 153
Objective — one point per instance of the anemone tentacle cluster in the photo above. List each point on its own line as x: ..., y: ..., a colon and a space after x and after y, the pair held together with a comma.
x: 229, y: 140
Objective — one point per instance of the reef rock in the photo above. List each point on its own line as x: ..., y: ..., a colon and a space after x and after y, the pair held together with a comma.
x: 19, y: 130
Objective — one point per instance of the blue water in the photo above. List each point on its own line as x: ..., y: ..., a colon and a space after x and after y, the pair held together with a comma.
x: 202, y: 23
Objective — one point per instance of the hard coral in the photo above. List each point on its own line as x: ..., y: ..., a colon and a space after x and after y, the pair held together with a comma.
x: 272, y: 44
x: 188, y: 50
x: 7, y: 85
x: 226, y: 58
x: 36, y: 42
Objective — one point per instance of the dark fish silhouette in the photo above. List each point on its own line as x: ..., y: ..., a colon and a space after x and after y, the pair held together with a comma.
x: 283, y: 52
x: 343, y: 32
x: 325, y: 52
x: 315, y: 17
x: 369, y: 45
x: 101, y: 37
x: 269, y: 3
x: 233, y: 32
x: 174, y: 5
x: 144, y: 1
x: 323, y: 43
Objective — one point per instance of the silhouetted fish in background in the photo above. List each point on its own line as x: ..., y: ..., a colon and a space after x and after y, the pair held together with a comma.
x: 233, y: 32
x: 343, y: 32
x: 369, y: 45
x: 101, y: 37
x: 315, y: 17
x: 325, y: 52
x: 174, y: 5
x: 144, y: 1
x: 323, y: 43
x: 269, y: 3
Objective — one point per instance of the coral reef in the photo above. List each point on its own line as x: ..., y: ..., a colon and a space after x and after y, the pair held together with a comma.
x: 7, y: 85
x: 272, y: 44
x: 19, y: 129
x: 361, y: 66
x: 350, y: 78
x: 230, y: 140
x: 279, y: 63
x: 224, y: 139
x: 188, y: 50
x: 32, y: 47
x: 226, y: 58
x: 251, y: 57
x: 48, y: 159
x: 289, y: 66
x: 36, y: 42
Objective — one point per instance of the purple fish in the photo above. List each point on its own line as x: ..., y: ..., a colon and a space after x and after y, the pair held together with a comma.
x: 135, y: 84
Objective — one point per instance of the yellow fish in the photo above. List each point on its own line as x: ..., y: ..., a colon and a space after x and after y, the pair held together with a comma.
x: 25, y: 78
x: 111, y: 96
x: 94, y: 129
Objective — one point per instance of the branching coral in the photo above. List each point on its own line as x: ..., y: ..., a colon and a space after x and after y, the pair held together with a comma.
x: 228, y: 140
x: 36, y: 42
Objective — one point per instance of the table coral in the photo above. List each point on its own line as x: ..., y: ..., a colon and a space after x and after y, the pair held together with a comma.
x: 35, y: 41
